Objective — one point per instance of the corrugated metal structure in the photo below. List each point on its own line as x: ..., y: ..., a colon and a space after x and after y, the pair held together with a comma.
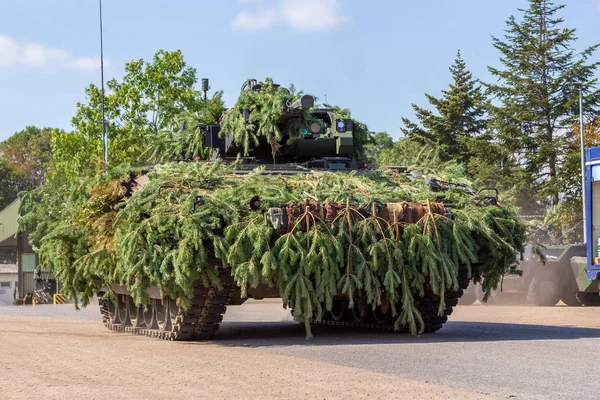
x: 26, y: 259
x: 9, y: 225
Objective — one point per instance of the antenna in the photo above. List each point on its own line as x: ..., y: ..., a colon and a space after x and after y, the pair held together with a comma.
x: 104, y: 126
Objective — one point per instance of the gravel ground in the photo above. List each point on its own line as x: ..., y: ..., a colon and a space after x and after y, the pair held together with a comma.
x: 484, y: 351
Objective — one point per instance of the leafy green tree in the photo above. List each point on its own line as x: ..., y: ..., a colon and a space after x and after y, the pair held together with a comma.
x: 459, y: 117
x: 146, y: 101
x: 29, y: 153
x: 75, y: 154
x: 534, y: 99
x: 24, y: 161
x: 404, y: 152
x: 9, y: 184
x: 381, y: 142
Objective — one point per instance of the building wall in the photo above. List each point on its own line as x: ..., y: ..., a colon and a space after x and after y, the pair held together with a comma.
x: 27, y: 261
x: 8, y: 282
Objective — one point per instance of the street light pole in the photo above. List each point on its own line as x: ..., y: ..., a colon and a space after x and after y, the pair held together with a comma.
x: 581, y: 131
x: 104, y: 126
x: 581, y: 137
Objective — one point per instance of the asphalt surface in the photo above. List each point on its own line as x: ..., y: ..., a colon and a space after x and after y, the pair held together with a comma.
x: 510, y: 360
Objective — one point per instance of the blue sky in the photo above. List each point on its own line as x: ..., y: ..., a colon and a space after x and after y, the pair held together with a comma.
x: 374, y: 57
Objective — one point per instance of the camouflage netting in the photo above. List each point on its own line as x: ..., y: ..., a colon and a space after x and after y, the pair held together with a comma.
x: 264, y: 109
x: 347, y: 234
x: 352, y: 234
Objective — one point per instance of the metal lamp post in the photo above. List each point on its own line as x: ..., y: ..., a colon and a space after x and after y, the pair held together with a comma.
x: 581, y: 131
x: 104, y: 126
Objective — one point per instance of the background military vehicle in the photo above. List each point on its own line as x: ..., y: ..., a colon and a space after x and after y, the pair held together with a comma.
x: 571, y: 273
x: 541, y: 283
x: 587, y: 269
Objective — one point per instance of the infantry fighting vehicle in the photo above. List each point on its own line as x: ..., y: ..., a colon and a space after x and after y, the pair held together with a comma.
x: 327, y: 144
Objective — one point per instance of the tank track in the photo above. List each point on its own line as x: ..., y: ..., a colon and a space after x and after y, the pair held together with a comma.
x: 428, y: 306
x: 200, y: 322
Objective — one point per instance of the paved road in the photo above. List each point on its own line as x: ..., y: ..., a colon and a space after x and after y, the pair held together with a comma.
x: 504, y: 359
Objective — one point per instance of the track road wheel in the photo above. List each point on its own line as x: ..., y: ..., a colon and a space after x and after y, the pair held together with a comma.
x: 356, y: 315
x: 167, y: 313
x: 123, y: 311
x: 165, y: 319
x: 134, y: 312
x: 338, y: 309
x: 381, y: 317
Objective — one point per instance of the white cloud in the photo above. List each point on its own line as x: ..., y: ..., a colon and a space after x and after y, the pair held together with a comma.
x: 313, y: 14
x: 87, y: 63
x: 301, y: 15
x: 254, y: 21
x: 15, y: 53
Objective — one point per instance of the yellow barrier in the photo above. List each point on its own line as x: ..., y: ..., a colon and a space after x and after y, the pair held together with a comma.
x: 60, y: 299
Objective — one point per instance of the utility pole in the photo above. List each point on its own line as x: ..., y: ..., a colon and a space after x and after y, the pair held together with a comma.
x: 581, y: 131
x: 581, y: 137
x: 104, y: 125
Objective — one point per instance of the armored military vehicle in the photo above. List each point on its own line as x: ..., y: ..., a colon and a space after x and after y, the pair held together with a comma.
x: 282, y: 206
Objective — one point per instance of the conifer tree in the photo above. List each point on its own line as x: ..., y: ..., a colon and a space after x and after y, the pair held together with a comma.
x: 534, y: 95
x: 459, y: 117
